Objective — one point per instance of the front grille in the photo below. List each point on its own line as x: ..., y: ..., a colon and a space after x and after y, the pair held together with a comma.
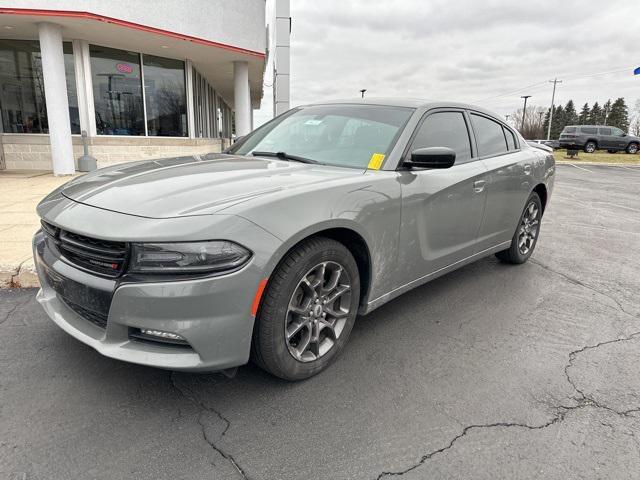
x: 101, y: 256
x: 98, y: 319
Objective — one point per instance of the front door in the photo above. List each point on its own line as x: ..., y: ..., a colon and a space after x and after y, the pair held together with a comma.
x: 441, y: 209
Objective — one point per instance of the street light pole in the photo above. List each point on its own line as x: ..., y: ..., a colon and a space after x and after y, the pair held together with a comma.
x: 362, y: 92
x: 553, y: 97
x: 524, y: 110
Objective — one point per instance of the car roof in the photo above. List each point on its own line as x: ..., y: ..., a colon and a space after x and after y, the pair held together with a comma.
x: 590, y: 126
x: 407, y: 102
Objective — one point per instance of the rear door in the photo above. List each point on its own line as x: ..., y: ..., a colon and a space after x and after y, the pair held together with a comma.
x: 441, y: 208
x: 508, y: 179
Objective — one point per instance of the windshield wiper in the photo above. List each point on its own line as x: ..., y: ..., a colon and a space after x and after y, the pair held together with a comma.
x: 284, y: 156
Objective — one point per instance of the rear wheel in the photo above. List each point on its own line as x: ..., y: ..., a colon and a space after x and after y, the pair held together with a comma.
x: 590, y: 147
x: 526, y: 236
x: 632, y: 148
x: 308, y: 310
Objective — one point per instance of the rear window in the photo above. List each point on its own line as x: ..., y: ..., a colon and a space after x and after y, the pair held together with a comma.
x: 588, y: 130
x: 569, y: 130
x: 605, y: 131
x: 511, y: 139
x: 489, y: 136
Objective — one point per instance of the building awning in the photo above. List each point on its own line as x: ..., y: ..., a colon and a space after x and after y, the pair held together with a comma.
x: 213, y: 60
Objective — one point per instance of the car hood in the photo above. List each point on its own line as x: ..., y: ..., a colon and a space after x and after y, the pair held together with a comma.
x: 196, y: 185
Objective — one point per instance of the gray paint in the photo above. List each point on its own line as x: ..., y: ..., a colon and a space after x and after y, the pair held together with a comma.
x: 417, y: 224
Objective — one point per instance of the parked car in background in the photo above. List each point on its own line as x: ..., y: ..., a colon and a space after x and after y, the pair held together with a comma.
x: 271, y: 249
x: 553, y: 144
x: 538, y: 144
x: 598, y: 137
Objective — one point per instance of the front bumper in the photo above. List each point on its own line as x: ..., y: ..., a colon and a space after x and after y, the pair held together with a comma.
x: 213, y: 314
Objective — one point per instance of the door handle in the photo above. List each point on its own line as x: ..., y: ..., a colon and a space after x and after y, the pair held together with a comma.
x: 478, y: 186
x: 527, y: 169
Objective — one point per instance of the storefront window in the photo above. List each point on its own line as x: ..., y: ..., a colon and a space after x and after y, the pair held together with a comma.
x: 117, y: 91
x: 22, y: 87
x: 22, y: 98
x: 164, y: 90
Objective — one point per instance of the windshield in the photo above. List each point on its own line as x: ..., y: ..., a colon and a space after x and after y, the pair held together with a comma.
x: 343, y: 135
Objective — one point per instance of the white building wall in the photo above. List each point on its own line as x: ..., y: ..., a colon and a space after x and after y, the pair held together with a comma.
x: 240, y: 23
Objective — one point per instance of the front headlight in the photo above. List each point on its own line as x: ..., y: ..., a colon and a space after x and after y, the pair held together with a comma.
x: 187, y: 257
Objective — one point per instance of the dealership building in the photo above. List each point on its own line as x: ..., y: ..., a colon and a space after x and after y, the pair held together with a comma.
x: 143, y: 79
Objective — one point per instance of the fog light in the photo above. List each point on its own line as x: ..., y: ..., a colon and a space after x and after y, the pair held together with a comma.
x: 161, y: 334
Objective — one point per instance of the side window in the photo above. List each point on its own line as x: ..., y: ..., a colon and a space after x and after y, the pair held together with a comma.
x: 445, y: 129
x: 617, y: 132
x: 588, y: 130
x: 511, y: 139
x: 605, y: 131
x: 489, y: 136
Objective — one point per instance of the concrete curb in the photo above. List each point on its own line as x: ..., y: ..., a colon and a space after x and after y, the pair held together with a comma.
x: 22, y: 276
x: 580, y: 162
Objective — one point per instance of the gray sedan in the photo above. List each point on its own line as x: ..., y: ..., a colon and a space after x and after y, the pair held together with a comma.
x: 269, y: 250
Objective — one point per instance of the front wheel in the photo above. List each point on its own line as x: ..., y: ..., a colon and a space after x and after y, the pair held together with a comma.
x: 308, y: 310
x: 526, y: 236
x: 632, y: 148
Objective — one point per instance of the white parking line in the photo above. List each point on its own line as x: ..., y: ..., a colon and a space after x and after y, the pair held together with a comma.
x: 581, y: 168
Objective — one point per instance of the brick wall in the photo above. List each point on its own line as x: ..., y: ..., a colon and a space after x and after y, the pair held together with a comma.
x: 33, y: 152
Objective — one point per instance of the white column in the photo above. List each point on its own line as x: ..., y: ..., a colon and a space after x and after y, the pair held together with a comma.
x: 242, y: 98
x: 191, y: 118
x: 88, y: 88
x: 281, y: 61
x: 55, y: 92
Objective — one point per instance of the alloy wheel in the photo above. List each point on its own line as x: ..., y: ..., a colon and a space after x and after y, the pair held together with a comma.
x: 318, y: 311
x: 528, y: 230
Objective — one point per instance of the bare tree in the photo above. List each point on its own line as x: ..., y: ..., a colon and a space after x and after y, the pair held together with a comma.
x: 533, y: 122
x: 634, y: 117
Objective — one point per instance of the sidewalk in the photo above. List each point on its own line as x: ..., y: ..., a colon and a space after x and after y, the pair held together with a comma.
x: 20, y: 192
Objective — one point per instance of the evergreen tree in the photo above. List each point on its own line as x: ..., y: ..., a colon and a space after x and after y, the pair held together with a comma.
x: 557, y: 122
x: 545, y: 123
x: 606, y: 111
x: 583, y: 118
x: 595, y: 114
x: 570, y: 114
x: 619, y: 115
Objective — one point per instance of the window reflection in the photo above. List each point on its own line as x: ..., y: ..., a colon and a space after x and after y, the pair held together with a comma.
x: 164, y: 88
x: 117, y: 91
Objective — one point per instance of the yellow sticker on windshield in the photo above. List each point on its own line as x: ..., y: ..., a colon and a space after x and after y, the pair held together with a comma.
x: 376, y: 161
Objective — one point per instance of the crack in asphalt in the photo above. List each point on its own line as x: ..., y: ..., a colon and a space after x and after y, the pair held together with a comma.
x: 583, y: 396
x: 13, y: 309
x: 583, y: 400
x: 580, y: 283
x: 190, y: 395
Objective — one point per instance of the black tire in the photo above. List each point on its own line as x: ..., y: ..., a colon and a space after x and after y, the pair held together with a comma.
x: 514, y: 254
x: 270, y: 349
x: 590, y: 146
x: 632, y: 148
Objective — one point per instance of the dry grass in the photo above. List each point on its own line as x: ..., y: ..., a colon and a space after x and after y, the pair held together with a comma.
x: 600, y: 156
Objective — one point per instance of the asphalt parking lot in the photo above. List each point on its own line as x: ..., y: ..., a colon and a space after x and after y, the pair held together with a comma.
x: 492, y: 371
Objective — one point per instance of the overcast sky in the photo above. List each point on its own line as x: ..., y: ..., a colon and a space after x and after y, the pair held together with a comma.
x: 479, y: 51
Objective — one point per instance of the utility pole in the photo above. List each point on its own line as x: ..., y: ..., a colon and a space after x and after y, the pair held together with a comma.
x: 553, y: 98
x: 606, y: 114
x: 524, y: 111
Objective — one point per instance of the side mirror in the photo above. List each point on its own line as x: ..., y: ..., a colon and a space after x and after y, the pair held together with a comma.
x: 432, y: 157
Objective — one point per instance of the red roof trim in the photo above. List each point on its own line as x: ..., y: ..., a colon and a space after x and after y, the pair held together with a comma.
x: 124, y: 23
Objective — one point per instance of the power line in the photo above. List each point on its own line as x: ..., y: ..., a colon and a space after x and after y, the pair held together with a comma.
x: 566, y: 77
